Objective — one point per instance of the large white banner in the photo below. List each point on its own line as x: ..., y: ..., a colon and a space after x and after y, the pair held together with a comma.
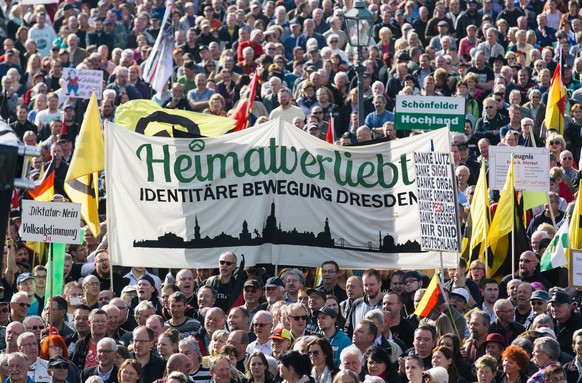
x: 273, y: 193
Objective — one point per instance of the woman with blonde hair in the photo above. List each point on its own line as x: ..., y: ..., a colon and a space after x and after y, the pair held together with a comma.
x: 33, y: 66
x: 216, y: 105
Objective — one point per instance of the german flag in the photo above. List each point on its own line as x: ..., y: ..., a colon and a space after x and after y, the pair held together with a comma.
x: 44, y: 191
x: 431, y: 298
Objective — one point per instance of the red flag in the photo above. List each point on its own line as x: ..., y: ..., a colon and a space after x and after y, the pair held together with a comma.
x: 45, y: 190
x: 330, y: 136
x: 244, y: 108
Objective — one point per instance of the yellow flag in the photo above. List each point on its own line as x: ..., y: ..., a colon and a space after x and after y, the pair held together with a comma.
x: 533, y: 199
x: 575, y: 229
x: 502, y: 223
x: 480, y: 212
x: 88, y: 160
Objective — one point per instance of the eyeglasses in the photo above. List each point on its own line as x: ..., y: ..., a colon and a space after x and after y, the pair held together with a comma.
x: 313, y: 353
x: 536, y: 303
x: 488, y: 107
x: 28, y: 345
x: 498, y: 99
x: 567, y: 159
x: 410, y: 281
x: 105, y: 351
x: 23, y: 304
x: 95, y: 283
x: 334, y: 41
x: 317, y: 112
x: 4, y: 310
x: 261, y: 325
x: 299, y: 317
x: 35, y: 328
x: 226, y: 263
x: 251, y: 291
x: 40, y: 276
x: 555, y: 142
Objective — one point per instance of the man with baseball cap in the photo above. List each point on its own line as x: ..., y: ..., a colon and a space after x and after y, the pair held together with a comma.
x: 252, y: 293
x: 566, y: 319
x: 327, y: 324
x: 274, y: 290
x: 26, y: 282
x: 280, y: 342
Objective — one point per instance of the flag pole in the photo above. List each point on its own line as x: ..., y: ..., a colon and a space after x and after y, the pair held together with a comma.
x: 51, y: 276
x: 551, y: 210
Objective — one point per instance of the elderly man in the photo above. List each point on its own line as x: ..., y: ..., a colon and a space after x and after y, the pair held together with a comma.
x: 18, y: 366
x: 274, y: 290
x: 570, y: 174
x: 546, y: 352
x: 199, y: 97
x: 122, y: 85
x: 220, y: 369
x: 28, y: 345
x: 567, y: 320
x: 106, y: 369
x: 262, y: 325
x: 214, y: 320
x: 298, y: 315
x: 505, y: 323
x: 190, y: 347
x: 239, y: 339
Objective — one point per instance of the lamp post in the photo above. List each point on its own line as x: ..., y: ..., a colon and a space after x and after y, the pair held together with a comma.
x: 359, y: 22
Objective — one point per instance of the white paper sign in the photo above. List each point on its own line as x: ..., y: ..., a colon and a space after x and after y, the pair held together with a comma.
x: 51, y: 222
x: 81, y: 83
x: 437, y: 203
x: 532, y: 167
x: 576, y: 267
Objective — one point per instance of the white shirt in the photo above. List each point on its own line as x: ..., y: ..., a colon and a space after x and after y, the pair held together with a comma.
x: 256, y: 346
x: 38, y: 371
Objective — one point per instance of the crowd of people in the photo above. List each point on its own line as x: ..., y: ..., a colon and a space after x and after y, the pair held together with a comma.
x: 130, y: 325
x: 134, y: 325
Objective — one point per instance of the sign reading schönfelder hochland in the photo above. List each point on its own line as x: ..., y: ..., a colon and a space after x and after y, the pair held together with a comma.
x: 429, y: 113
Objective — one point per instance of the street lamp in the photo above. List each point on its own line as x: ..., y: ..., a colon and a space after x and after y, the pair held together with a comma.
x: 359, y: 22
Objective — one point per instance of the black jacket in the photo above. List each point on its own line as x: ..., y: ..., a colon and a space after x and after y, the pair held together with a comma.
x: 92, y: 371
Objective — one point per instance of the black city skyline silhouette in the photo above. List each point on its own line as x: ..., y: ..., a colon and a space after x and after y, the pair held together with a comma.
x: 273, y: 233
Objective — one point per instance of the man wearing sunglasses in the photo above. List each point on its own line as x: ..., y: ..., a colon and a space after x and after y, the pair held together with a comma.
x: 224, y: 282
x: 19, y: 306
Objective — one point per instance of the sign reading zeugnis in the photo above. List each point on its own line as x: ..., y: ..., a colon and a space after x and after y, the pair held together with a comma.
x: 429, y: 113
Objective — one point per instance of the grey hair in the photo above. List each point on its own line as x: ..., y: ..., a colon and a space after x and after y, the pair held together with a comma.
x: 550, y: 346
x: 297, y: 273
x: 109, y: 341
x: 375, y: 315
x: 542, y: 318
x: 189, y: 341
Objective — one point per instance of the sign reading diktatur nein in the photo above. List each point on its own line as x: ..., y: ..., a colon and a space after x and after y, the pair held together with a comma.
x: 437, y: 202
x: 429, y: 113
x: 51, y: 222
x: 532, y: 166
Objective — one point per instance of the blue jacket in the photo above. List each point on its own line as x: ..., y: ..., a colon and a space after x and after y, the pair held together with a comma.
x: 338, y: 342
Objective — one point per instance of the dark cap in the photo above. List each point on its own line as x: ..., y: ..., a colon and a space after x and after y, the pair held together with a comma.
x: 312, y: 126
x: 3, y: 301
x: 472, y: 1
x: 24, y: 277
x: 494, y: 337
x: 327, y: 311
x: 319, y: 292
x: 462, y: 145
x: 155, y: 16
x: 561, y: 297
x: 443, y: 23
x: 64, y: 137
x: 403, y: 56
x: 67, y: 7
x: 10, y: 52
x: 58, y: 360
x: 412, y: 274
x: 540, y: 295
x: 15, y: 213
x: 149, y: 279
x: 68, y: 106
x: 274, y: 282
x: 202, y: 47
x: 252, y: 283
